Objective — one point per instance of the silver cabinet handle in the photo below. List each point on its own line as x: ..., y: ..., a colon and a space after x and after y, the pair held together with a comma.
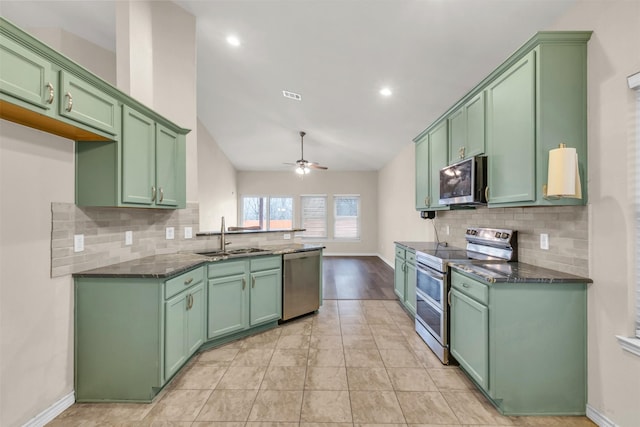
x: 244, y: 283
x: 69, y: 106
x: 51, y: 93
x: 486, y: 193
x: 461, y: 152
x: 188, y: 281
x: 153, y: 193
x: 161, y: 194
x: 253, y: 281
x: 449, y: 297
x: 426, y: 201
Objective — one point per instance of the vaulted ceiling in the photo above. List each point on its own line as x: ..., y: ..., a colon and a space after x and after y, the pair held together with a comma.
x: 337, y: 55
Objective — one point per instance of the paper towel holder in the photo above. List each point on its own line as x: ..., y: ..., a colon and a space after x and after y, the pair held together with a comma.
x: 563, y: 178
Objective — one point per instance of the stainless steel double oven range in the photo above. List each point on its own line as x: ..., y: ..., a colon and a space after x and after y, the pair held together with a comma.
x: 433, y: 282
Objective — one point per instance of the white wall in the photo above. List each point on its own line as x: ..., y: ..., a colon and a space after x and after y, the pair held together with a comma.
x: 398, y: 220
x: 323, y: 182
x: 613, y: 54
x: 216, y: 184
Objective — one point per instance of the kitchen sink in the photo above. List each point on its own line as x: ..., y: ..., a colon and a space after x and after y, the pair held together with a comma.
x: 231, y: 252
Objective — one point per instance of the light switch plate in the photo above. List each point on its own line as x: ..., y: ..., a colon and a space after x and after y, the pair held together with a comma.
x: 128, y: 238
x: 188, y: 233
x: 170, y: 233
x: 544, y: 241
x: 286, y: 236
x: 78, y: 242
x: 448, y: 230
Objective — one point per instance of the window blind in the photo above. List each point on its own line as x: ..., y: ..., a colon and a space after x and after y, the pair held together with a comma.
x: 313, y: 216
x: 346, y: 217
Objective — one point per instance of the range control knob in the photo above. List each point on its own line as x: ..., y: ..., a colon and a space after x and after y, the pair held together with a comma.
x: 505, y: 235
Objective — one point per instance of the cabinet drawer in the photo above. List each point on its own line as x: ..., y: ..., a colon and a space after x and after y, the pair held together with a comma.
x: 266, y: 263
x: 400, y: 252
x: 183, y: 281
x: 226, y: 268
x: 411, y: 256
x: 470, y: 287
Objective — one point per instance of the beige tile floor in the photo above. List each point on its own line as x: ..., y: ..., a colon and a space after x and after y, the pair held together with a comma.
x: 354, y: 363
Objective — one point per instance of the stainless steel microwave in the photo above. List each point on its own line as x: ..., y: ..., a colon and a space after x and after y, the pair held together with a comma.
x: 465, y: 182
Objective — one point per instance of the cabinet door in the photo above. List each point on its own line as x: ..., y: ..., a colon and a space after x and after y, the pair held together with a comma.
x: 26, y: 76
x: 457, y: 123
x: 167, y: 157
x: 511, y: 134
x: 174, y: 335
x: 86, y: 104
x: 438, y: 149
x: 228, y: 304
x: 138, y: 158
x: 470, y: 336
x: 410, y: 293
x: 475, y: 130
x: 398, y: 278
x: 266, y: 296
x: 422, y: 174
x: 195, y: 319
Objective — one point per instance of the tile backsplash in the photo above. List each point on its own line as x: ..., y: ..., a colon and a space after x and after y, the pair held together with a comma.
x: 567, y: 227
x: 104, y: 235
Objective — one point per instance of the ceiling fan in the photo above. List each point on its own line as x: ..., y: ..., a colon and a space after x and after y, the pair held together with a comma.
x: 303, y: 166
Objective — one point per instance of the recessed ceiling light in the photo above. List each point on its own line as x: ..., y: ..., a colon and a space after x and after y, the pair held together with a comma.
x: 233, y: 40
x: 385, y: 91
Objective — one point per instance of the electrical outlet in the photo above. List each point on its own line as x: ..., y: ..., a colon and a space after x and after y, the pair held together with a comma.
x: 188, y: 233
x: 544, y: 241
x: 286, y: 236
x: 78, y: 242
x: 128, y: 238
x: 169, y: 233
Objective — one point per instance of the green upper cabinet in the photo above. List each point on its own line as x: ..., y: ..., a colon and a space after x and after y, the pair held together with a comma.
x: 431, y: 155
x: 531, y: 103
x: 138, y: 158
x: 86, y: 104
x: 130, y: 156
x: 25, y: 76
x: 422, y: 173
x: 467, y: 130
x: 511, y: 134
x: 438, y: 149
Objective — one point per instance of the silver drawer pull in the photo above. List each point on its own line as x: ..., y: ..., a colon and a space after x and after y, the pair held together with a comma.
x: 51, y: 93
x: 69, y: 106
x: 188, y: 281
x: 464, y: 285
x: 153, y: 193
x: 244, y: 283
x: 161, y: 194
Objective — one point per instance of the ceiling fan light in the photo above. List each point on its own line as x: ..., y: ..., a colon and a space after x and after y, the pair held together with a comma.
x: 300, y: 170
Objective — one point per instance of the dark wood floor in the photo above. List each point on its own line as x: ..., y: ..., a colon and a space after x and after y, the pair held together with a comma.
x: 357, y: 277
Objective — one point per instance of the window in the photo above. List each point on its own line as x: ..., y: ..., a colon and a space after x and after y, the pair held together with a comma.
x: 346, y: 218
x: 313, y: 216
x: 267, y: 212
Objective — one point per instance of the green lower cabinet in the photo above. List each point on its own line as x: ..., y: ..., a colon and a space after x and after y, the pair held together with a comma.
x: 266, y: 296
x: 184, y: 327
x: 470, y: 336
x: 243, y: 294
x: 404, y: 282
x: 133, y: 334
x: 523, y: 344
x: 228, y: 304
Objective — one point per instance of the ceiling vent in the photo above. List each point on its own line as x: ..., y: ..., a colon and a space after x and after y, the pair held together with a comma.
x: 291, y: 95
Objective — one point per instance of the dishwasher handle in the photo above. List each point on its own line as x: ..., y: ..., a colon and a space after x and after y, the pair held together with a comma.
x: 300, y: 255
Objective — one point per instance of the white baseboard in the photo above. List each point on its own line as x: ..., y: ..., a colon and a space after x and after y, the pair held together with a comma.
x: 594, y: 415
x: 52, y: 411
x: 347, y: 254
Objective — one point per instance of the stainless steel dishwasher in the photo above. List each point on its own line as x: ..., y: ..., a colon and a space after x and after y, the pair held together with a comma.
x: 301, y: 283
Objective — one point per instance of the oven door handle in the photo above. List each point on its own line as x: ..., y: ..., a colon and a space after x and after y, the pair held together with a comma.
x: 428, y: 272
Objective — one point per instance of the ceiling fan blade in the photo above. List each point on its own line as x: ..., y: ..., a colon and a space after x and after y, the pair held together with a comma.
x: 317, y: 166
x: 289, y: 164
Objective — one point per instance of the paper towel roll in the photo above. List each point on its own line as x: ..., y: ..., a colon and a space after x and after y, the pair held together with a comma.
x: 563, y: 179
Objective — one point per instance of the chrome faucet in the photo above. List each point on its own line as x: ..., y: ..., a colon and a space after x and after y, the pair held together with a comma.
x: 223, y: 242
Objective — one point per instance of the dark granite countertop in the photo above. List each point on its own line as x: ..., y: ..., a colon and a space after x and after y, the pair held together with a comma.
x: 517, y: 272
x: 169, y: 265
